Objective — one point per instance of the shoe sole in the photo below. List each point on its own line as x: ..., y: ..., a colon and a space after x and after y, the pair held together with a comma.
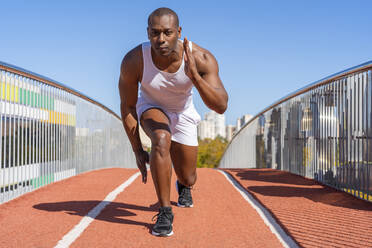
x: 184, y: 206
x: 161, y: 235
x: 180, y: 205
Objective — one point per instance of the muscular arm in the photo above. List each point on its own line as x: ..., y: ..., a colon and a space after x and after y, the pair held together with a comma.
x: 206, y: 79
x: 128, y: 89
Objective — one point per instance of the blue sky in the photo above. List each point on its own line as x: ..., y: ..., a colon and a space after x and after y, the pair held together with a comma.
x: 265, y: 49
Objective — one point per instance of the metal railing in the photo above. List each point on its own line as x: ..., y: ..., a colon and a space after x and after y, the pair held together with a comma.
x: 322, y: 131
x: 50, y: 132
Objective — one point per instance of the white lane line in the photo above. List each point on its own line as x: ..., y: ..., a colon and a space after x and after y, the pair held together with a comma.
x: 71, y: 236
x: 275, y: 228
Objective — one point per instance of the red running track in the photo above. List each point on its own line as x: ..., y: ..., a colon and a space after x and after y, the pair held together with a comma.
x: 314, y: 215
x: 310, y: 213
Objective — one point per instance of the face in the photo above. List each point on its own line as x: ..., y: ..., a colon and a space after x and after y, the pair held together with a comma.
x: 163, y: 34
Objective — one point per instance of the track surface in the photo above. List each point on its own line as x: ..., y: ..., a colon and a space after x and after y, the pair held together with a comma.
x: 220, y: 217
x: 314, y: 215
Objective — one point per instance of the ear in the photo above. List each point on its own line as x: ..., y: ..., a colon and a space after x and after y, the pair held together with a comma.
x: 148, y: 33
x: 179, y: 32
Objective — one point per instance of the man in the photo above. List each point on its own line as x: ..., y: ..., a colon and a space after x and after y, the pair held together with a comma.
x: 167, y: 69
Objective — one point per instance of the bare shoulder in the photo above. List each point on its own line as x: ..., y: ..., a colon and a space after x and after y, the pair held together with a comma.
x: 132, y: 62
x: 205, y: 60
x: 133, y: 55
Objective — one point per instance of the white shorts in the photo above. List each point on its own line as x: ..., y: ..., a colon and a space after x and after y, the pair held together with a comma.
x: 183, y: 125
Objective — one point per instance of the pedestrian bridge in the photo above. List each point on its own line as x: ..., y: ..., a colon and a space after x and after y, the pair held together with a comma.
x: 297, y: 175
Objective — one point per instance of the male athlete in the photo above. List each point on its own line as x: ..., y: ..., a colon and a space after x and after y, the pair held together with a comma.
x: 167, y: 69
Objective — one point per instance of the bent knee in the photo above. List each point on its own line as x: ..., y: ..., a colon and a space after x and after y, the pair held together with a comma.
x: 160, y: 142
x: 188, y: 180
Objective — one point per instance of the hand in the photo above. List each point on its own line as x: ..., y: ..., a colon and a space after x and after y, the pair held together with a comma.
x: 190, y: 65
x: 142, y: 157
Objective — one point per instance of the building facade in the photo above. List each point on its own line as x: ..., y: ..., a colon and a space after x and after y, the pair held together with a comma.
x: 240, y: 122
x: 230, y: 130
x: 212, y: 126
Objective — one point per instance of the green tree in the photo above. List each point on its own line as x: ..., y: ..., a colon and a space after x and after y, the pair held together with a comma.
x: 210, y: 152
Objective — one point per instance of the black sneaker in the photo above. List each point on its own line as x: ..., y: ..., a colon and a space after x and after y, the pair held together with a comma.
x: 164, y: 223
x: 184, y: 196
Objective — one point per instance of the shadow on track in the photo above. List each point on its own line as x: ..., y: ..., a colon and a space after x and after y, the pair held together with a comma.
x: 113, y: 212
x: 324, y: 195
x: 269, y: 175
x: 297, y: 187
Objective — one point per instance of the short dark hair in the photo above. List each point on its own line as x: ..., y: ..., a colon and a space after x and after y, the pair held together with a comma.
x: 161, y: 12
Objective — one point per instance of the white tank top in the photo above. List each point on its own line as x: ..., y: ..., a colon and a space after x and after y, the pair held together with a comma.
x: 170, y: 91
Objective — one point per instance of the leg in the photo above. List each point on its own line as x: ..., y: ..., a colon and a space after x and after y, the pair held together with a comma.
x: 156, y: 125
x: 184, y: 161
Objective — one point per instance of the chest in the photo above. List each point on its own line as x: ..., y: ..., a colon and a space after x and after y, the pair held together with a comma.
x: 169, y: 68
x: 163, y: 81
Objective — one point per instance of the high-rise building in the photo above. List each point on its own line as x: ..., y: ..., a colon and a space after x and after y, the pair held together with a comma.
x: 230, y: 129
x: 242, y: 121
x: 219, y: 125
x: 205, y: 130
x: 212, y: 126
x: 238, y: 124
x: 246, y: 118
